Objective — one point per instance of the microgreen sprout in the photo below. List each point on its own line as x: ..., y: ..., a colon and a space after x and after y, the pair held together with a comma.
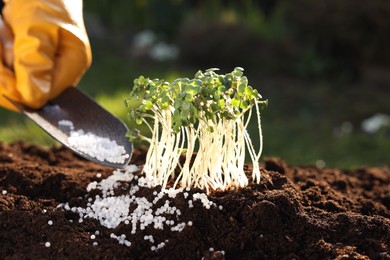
x: 205, y: 119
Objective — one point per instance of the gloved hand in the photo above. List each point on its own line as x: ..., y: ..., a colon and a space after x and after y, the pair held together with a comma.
x: 51, y: 50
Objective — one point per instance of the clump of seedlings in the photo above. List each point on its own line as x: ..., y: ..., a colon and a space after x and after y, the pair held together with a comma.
x: 206, y: 120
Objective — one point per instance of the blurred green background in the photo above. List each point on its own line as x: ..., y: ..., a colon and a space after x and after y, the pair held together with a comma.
x: 324, y: 66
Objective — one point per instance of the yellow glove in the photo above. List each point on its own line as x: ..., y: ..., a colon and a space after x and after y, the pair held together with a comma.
x: 51, y: 50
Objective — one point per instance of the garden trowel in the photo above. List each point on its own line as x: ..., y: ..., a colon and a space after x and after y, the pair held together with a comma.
x: 83, y: 113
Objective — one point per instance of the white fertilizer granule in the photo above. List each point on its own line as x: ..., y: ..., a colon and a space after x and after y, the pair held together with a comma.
x: 95, y: 146
x: 66, y: 123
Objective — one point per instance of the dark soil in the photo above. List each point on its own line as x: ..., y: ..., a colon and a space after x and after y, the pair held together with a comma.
x: 294, y: 213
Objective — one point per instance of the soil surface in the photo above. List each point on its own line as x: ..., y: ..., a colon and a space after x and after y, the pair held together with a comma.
x: 294, y: 213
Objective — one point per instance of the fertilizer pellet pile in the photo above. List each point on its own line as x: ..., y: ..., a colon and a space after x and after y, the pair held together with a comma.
x: 130, y: 208
x: 95, y: 146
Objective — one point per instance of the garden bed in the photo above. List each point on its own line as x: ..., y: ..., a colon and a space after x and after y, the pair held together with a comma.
x: 295, y: 212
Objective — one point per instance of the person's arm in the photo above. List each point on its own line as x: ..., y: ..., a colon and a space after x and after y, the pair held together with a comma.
x: 51, y: 50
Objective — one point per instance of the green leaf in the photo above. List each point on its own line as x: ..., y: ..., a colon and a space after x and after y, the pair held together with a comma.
x: 208, y: 115
x: 256, y: 94
x: 165, y: 99
x: 153, y: 90
x: 177, y: 104
x: 221, y: 103
x: 235, y: 102
x: 249, y: 92
x: 193, y: 89
x: 148, y: 104
x: 184, y: 113
x: 182, y: 95
x: 189, y: 97
x: 194, y: 112
x: 176, y: 128
x: 176, y: 115
x: 214, y: 107
x: 185, y: 105
x: 221, y: 88
x: 199, y: 74
x: 244, y: 104
x: 141, y: 80
x: 241, y: 88
x: 216, y: 96
x: 195, y: 83
x: 192, y: 120
x: 134, y: 135
x: 185, y: 121
x: 138, y: 120
x: 142, y: 108
x: 238, y: 72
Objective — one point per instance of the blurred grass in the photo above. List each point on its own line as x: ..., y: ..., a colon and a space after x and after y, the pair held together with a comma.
x: 303, y: 123
x: 299, y: 124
